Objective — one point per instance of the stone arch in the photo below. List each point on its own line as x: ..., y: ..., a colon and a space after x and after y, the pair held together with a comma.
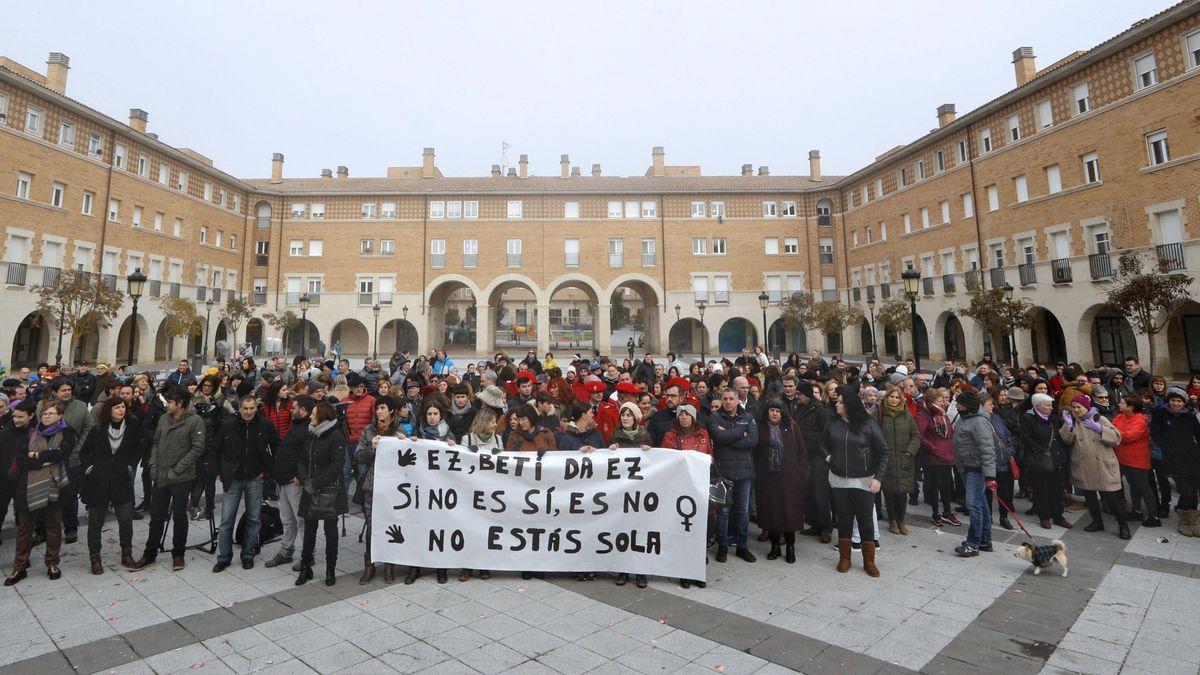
x: 222, y: 337
x: 400, y: 335
x: 1047, y: 338
x: 514, y: 323
x: 1182, y: 342
x: 446, y: 283
x: 866, y: 336
x: 140, y: 343
x: 164, y: 343
x: 1110, y: 337
x: 572, y: 319
x: 452, y: 303
x: 652, y: 301
x: 31, y: 343
x: 949, y: 330
x: 304, y: 337
x: 256, y: 334
x: 736, y: 333
x: 353, y: 336
x: 921, y: 336
x: 86, y: 345
x: 784, y: 340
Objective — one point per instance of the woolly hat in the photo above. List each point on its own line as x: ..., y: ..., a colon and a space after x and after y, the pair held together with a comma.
x: 902, y: 369
x: 1083, y: 400
x: 897, y: 377
x: 1041, y: 399
x: 633, y: 408
x: 686, y: 408
x: 968, y: 401
x: 1176, y: 392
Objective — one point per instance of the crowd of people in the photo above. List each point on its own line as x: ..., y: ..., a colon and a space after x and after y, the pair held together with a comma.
x: 805, y: 446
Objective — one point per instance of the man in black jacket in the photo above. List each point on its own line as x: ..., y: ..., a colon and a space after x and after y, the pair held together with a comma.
x: 244, y: 448
x: 662, y: 419
x: 85, y: 382
x: 734, y: 435
x: 284, y: 473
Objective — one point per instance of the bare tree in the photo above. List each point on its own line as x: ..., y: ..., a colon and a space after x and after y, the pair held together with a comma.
x: 995, y: 314
x: 1148, y: 296
x: 798, y: 310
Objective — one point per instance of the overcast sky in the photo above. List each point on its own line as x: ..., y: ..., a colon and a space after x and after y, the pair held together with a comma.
x: 717, y: 83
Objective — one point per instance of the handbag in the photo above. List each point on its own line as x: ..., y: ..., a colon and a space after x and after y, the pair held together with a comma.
x: 322, y: 502
x: 718, y: 490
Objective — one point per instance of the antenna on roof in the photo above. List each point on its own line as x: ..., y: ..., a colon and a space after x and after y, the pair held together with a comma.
x: 504, y: 148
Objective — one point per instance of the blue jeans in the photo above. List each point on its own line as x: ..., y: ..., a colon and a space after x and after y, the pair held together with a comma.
x: 738, y: 501
x: 977, y: 506
x: 251, y: 490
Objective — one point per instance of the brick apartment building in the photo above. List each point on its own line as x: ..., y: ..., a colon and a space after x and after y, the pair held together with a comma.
x: 1040, y: 188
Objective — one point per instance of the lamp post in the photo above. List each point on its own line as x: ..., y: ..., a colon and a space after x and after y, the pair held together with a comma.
x: 912, y: 282
x: 62, y: 316
x: 1008, y: 296
x: 700, y: 308
x: 871, y: 306
x: 136, y: 282
x: 677, y: 310
x: 303, y: 323
x: 208, y: 305
x: 375, y: 351
x: 763, y: 301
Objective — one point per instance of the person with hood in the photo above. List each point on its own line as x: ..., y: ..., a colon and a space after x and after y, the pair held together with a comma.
x: 319, y: 470
x: 285, y: 475
x: 1045, y: 455
x: 937, y: 455
x: 1006, y: 445
x: 40, y: 455
x: 385, y: 424
x: 1133, y: 454
x: 245, y: 444
x: 1094, y: 467
x: 974, y: 445
x: 904, y: 439
x: 734, y: 434
x: 856, y: 453
x: 108, y: 459
x: 780, y: 478
x: 1175, y: 428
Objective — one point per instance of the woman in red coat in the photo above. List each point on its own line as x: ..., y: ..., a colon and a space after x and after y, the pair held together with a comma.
x: 686, y: 433
x: 1133, y: 454
x: 937, y: 455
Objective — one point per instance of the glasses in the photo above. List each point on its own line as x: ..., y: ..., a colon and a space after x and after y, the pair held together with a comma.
x: 1101, y: 398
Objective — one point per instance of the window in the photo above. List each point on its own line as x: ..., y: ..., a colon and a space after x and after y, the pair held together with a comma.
x: 317, y: 210
x: 24, y: 181
x: 366, y: 289
x: 217, y: 241
x: 825, y: 247
x: 437, y: 252
x: 1091, y: 168
x: 33, y: 120
x: 1014, y: 128
x: 945, y: 207
x: 95, y: 143
x: 514, y: 252
x: 387, y: 288
x: 1193, y: 53
x: 314, y: 288
x: 968, y: 205
x: 649, y: 209
x: 649, y: 250
x: 700, y: 289
x: 699, y: 246
x: 1045, y: 115
x: 1157, y: 144
x: 789, y: 209
x: 633, y: 209
x: 143, y: 167
x: 824, y: 213
x: 866, y: 194
x: 717, y: 210
x: 316, y: 248
x: 203, y: 234
x: 882, y: 231
x: 948, y: 263
x: 998, y: 256
x: 369, y: 210
x: 387, y: 246
x: 1053, y: 179
x: 924, y: 217
x: 137, y: 216
x: 119, y: 155
x: 471, y: 209
x: 939, y: 160
x: 719, y: 246
x: 1028, y: 250
x: 617, y: 209
x: 366, y: 246
x: 114, y: 209
x: 1145, y: 71
x: 298, y: 210
x: 854, y: 238
x: 571, y: 252
x: 515, y: 209
x: 89, y: 198
x: 83, y: 258
x: 770, y: 209
x: 454, y: 209
x: 296, y: 247
x: 571, y: 210
x: 66, y: 134
x: 993, y: 194
x: 721, y: 289
x: 907, y: 223
x: 158, y: 221
x: 177, y: 227
x: 698, y: 209
x: 985, y: 140
x: 387, y: 210
x: 903, y: 179
x: 1022, y: 187
x: 774, y: 288
x: 1098, y: 237
x: 208, y: 191
x: 870, y: 234
x: 3, y: 108
x: 616, y: 252
x: 772, y: 245
x: 878, y: 190
x: 920, y: 169
x: 829, y: 289
x: 262, y: 247
x: 470, y: 252
x: 164, y: 173
x: 1079, y: 94
x: 438, y: 209
x: 962, y: 152
x: 791, y: 246
x: 183, y: 181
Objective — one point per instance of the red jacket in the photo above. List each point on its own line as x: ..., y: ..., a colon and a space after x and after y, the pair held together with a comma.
x: 608, y: 418
x: 698, y: 441
x: 358, y: 416
x: 935, y: 449
x: 1134, y: 450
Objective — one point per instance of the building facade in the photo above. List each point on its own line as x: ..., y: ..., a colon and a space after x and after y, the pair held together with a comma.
x: 1040, y: 188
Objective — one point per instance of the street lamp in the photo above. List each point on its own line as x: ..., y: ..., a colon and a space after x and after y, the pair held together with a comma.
x: 763, y: 301
x: 62, y: 316
x: 208, y: 305
x: 677, y: 310
x: 375, y: 351
x: 871, y: 306
x: 1007, y: 289
x: 912, y: 281
x: 303, y: 323
x: 136, y: 282
x: 700, y: 308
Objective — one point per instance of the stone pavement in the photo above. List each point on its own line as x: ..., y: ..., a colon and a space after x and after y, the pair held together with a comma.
x: 1126, y: 607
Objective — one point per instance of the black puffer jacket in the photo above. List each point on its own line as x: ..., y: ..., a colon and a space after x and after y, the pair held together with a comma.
x: 855, y: 453
x: 321, y: 461
x: 212, y: 412
x: 246, y: 447
x: 1044, y: 450
x: 734, y: 438
x: 1178, y: 434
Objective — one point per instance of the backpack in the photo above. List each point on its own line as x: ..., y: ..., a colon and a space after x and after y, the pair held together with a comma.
x: 270, y: 526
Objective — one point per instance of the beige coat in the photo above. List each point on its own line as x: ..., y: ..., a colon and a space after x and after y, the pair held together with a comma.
x: 1094, y: 463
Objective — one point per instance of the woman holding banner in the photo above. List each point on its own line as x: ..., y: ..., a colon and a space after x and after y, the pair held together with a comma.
x: 483, y: 436
x: 324, y: 498
x: 630, y: 434
x: 780, y: 477
x: 686, y: 433
x: 432, y: 426
x: 385, y: 423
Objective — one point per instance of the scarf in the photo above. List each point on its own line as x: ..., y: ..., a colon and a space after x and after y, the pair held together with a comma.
x: 457, y: 411
x: 775, y: 445
x: 322, y: 427
x: 896, y: 410
x: 628, y: 435
x: 940, y: 424
x: 440, y: 432
x: 116, y: 431
x: 43, y: 483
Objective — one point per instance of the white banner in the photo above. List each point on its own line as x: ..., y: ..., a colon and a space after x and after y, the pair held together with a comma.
x: 438, y: 505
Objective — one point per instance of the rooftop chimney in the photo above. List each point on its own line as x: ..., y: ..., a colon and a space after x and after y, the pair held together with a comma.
x: 596, y: 170
x: 137, y: 119
x: 153, y: 135
x: 343, y: 172
x: 428, y: 169
x: 814, y: 165
x: 564, y: 165
x: 56, y: 72
x: 512, y: 173
x: 326, y: 173
x: 523, y: 163
x: 496, y: 171
x: 945, y: 113
x: 764, y: 170
x: 1023, y: 64
x: 747, y: 169
x: 575, y: 172
x: 659, y: 167
x: 277, y: 167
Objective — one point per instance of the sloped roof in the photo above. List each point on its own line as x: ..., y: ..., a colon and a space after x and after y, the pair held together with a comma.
x: 542, y: 184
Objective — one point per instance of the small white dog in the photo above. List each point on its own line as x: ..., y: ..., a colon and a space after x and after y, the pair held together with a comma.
x: 1043, y: 556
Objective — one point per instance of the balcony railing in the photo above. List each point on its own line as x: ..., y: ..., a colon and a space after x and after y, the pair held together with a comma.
x: 775, y: 295
x: 826, y: 258
x: 385, y: 297
x: 201, y: 293
x: 998, y: 278
x: 110, y: 280
x: 856, y: 292
x: 314, y: 298
x: 366, y: 298
x: 721, y: 297
x: 260, y: 297
x: 155, y: 288
x: 1170, y: 257
x: 885, y: 291
x: 1028, y: 274
x: 870, y: 294
x: 50, y: 276
x: 825, y: 220
x: 948, y: 286
x: 16, y: 273
x: 263, y: 222
x: 1101, y: 265
x: 230, y: 295
x: 514, y: 260
x: 829, y: 295
x: 1060, y: 271
x: 261, y: 260
x: 927, y: 286
x: 173, y: 289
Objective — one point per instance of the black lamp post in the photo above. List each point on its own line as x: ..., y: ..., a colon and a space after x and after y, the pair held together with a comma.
x: 304, y: 324
x: 912, y: 282
x: 136, y: 282
x: 375, y: 351
x: 62, y: 316
x: 1008, y: 296
x: 871, y: 307
x: 208, y: 305
x: 677, y: 310
x: 700, y: 306
x: 763, y: 301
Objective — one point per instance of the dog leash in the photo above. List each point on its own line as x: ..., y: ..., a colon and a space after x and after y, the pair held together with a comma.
x: 1014, y: 515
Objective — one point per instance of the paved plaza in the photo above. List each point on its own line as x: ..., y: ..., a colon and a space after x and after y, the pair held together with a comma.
x: 1126, y: 607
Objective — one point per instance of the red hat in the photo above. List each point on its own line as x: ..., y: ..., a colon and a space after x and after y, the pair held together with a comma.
x: 628, y: 388
x: 526, y: 375
x: 594, y: 387
x: 682, y: 383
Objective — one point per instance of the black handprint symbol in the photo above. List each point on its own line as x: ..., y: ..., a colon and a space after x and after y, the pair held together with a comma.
x: 395, y: 535
x: 407, y: 458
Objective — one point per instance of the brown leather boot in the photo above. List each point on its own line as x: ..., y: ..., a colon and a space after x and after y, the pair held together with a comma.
x: 368, y: 574
x: 844, y: 548
x: 868, y: 551
x: 900, y: 525
x: 389, y: 573
x: 127, y: 557
x: 143, y: 562
x: 893, y: 527
x: 97, y: 566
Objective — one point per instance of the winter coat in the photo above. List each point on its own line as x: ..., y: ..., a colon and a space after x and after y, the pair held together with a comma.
x: 55, y: 452
x: 660, y: 421
x: 621, y: 439
x: 781, y: 495
x: 212, y: 413
x: 81, y: 423
x: 974, y: 444
x: 288, y: 453
x: 359, y: 413
x: 697, y: 440
x: 1134, y: 450
x: 371, y: 378
x: 178, y: 446
x: 1044, y: 450
x: 365, y: 452
x: 460, y: 422
x: 1011, y: 417
x: 493, y: 445
x: 538, y: 440
x: 904, y: 440
x: 810, y: 421
x: 1006, y: 443
x: 734, y: 438
x: 1178, y: 434
x: 570, y: 438
x: 108, y: 473
x: 279, y: 415
x: 1094, y: 463
x: 321, y: 462
x: 935, y: 450
x: 246, y: 448
x: 84, y: 385
x: 855, y: 453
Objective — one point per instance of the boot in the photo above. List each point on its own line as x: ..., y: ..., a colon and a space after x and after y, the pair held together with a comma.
x: 306, y: 574
x: 903, y: 527
x: 1187, y: 522
x: 127, y: 557
x: 868, y: 552
x: 389, y: 573
x: 1004, y: 522
x: 844, y: 549
x: 330, y: 573
x: 723, y: 553
x: 368, y: 574
x: 1123, y: 531
x: 97, y: 566
x: 790, y: 554
x: 143, y: 562
x: 775, y: 551
x: 893, y: 527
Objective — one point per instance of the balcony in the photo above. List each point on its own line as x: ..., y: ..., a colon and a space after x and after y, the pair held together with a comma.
x: 775, y: 295
x: 927, y: 286
x: 173, y: 289
x: 721, y: 297
x: 50, y: 276
x: 230, y: 295
x: 1028, y: 274
x: 261, y: 260
x: 155, y: 288
x: 366, y: 298
x: 870, y: 294
x: 824, y: 220
x: 826, y: 258
x: 948, y: 286
x: 856, y: 293
x: 1170, y: 257
x: 998, y: 277
x: 829, y: 295
x: 385, y: 297
x: 1100, y: 265
x: 16, y: 273
x: 262, y: 222
x: 260, y: 297
x: 1060, y: 270
x: 314, y: 298
x: 110, y: 280
x: 201, y: 293
x: 885, y: 291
